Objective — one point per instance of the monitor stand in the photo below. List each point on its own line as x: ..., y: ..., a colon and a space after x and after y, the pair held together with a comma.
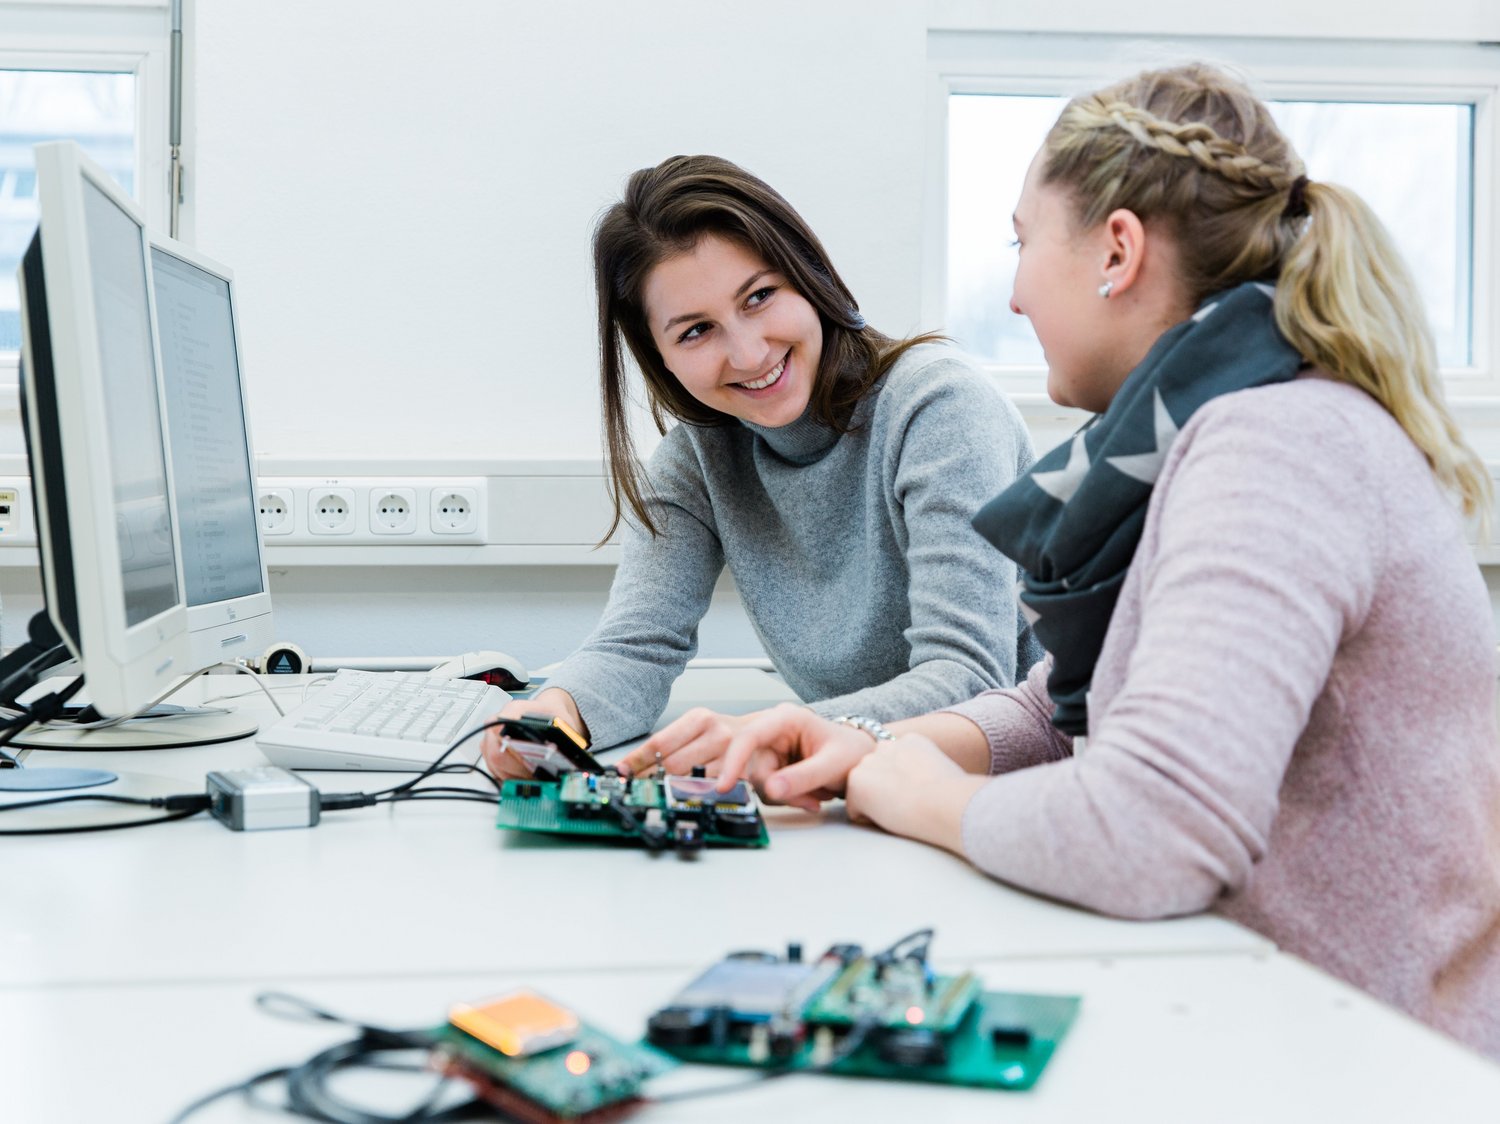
x: 143, y: 733
x: 56, y: 779
x: 89, y: 815
x: 43, y: 655
x: 157, y: 729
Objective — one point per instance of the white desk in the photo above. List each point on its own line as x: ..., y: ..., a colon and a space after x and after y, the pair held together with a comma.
x: 1229, y: 1039
x: 394, y: 912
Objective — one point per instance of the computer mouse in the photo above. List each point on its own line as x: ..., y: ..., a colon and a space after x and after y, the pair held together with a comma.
x: 496, y: 668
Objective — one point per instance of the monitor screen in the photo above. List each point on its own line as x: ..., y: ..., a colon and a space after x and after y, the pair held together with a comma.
x: 96, y: 436
x: 215, y: 483
x: 137, y: 455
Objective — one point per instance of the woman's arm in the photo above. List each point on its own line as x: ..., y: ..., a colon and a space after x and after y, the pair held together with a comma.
x: 949, y: 442
x: 797, y: 757
x: 622, y: 675
x: 1260, y: 556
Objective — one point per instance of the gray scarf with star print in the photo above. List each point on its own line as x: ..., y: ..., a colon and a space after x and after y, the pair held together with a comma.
x: 1073, y: 522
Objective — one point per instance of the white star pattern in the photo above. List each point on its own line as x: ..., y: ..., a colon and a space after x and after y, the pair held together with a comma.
x: 1145, y: 467
x: 1062, y: 483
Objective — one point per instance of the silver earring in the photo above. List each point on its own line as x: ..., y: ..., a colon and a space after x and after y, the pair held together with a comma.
x: 1106, y: 288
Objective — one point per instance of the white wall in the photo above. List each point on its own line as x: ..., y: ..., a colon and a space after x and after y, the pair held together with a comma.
x: 406, y: 192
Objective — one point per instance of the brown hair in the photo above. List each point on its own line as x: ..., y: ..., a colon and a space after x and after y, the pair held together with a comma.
x: 1193, y: 149
x: 665, y: 211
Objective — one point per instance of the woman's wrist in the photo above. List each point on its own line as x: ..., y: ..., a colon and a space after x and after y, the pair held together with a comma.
x: 869, y: 726
x: 958, y: 736
x: 947, y: 803
x: 562, y: 705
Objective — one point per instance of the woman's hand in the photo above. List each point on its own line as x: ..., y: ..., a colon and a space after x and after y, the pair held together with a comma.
x: 699, y: 737
x: 550, y: 702
x: 910, y: 787
x: 794, y: 757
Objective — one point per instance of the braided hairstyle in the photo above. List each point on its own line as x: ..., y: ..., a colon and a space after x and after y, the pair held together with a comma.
x: 1193, y: 150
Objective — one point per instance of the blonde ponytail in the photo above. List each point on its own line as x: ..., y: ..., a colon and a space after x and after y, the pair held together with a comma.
x: 1347, y: 302
x: 1191, y: 148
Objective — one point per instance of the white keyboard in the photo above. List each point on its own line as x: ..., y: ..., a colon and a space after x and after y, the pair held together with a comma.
x: 398, y: 721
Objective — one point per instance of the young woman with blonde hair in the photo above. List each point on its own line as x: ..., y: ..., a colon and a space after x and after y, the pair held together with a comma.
x: 1249, y: 573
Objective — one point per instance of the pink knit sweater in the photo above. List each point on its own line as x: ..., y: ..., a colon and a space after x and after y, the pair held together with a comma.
x: 1292, y: 720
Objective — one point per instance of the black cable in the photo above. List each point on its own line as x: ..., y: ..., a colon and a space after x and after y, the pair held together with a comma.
x: 453, y: 767
x: 307, y: 1084
x: 42, y: 710
x: 919, y: 954
x: 338, y: 802
x: 438, y: 766
x: 343, y: 801
x: 181, y: 807
x: 44, y: 649
x: 308, y: 1094
x: 189, y: 801
x: 101, y: 826
x: 247, y: 1087
x: 468, y: 796
x: 654, y: 839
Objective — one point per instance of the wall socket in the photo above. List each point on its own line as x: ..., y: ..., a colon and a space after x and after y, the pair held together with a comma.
x: 393, y: 511
x: 455, y: 511
x: 362, y: 510
x: 17, y: 516
x: 274, y: 510
x: 325, y: 512
x: 330, y: 511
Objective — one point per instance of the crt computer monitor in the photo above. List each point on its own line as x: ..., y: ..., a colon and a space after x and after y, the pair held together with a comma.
x: 96, y: 437
x: 228, y: 599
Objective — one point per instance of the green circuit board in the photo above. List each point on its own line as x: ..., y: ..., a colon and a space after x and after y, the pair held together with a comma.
x: 681, y: 813
x: 860, y: 1017
x: 588, y: 1076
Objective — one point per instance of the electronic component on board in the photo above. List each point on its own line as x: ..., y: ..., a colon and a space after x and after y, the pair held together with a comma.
x: 684, y: 814
x: 550, y: 747
x: 517, y: 1024
x: 886, y: 1014
x: 734, y: 813
x: 537, y: 1062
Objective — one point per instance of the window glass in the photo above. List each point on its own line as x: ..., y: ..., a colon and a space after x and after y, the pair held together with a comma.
x: 1412, y: 163
x: 95, y: 109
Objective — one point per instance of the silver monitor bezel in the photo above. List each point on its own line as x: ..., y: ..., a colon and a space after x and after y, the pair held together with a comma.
x: 125, y: 666
x: 237, y: 627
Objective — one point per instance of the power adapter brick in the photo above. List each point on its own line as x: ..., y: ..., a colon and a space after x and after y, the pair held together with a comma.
x: 262, y: 798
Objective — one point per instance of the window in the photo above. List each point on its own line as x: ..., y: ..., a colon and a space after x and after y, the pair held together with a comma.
x: 95, y: 109
x: 1418, y: 144
x: 97, y: 74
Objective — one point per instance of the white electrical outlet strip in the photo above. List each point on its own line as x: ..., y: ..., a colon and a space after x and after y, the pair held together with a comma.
x: 360, y: 509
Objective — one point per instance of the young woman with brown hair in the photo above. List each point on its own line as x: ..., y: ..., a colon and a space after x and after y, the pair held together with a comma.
x: 833, y: 469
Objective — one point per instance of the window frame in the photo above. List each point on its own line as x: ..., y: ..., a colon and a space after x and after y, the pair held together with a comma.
x: 988, y: 62
x: 109, y: 37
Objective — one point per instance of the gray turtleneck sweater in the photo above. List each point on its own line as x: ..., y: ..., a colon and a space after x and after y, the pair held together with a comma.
x: 853, y: 555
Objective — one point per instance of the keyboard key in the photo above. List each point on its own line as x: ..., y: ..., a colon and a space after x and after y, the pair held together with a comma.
x: 382, y: 720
